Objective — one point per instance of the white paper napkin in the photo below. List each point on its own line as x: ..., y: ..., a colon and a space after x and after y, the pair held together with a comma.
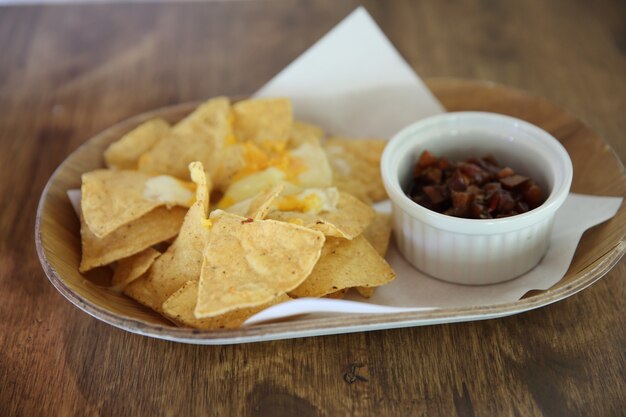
x: 354, y: 82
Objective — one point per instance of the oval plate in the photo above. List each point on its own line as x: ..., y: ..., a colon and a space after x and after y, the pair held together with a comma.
x: 57, y: 230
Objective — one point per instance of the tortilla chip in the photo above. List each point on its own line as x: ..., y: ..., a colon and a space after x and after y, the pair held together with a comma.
x: 231, y: 162
x: 131, y: 268
x: 249, y: 186
x: 203, y: 185
x: 206, y: 117
x: 125, y: 153
x: 263, y: 120
x: 156, y: 226
x: 111, y: 198
x: 305, y: 133
x: 309, y: 200
x: 258, y: 206
x: 201, y: 136
x: 182, y: 261
x: 345, y: 264
x: 379, y: 232
x: 349, y: 220
x: 179, y: 308
x: 337, y: 295
x: 356, y: 167
x: 249, y: 263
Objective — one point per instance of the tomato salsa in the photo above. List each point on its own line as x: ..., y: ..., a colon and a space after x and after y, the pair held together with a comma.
x: 475, y: 188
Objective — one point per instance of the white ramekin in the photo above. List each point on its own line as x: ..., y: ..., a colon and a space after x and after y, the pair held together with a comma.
x: 470, y: 251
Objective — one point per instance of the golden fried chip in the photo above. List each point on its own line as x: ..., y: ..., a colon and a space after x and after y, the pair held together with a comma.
x: 348, y: 220
x: 379, y: 232
x: 351, y: 216
x: 131, y: 268
x: 232, y: 161
x: 156, y: 226
x: 258, y: 206
x: 337, y: 295
x: 125, y: 153
x: 263, y: 120
x: 201, y: 136
x: 182, y: 261
x: 249, y: 186
x: 310, y: 200
x: 305, y: 133
x: 209, y: 115
x: 249, y: 263
x: 179, y: 308
x: 356, y: 167
x: 203, y: 185
x: 111, y: 198
x: 345, y: 264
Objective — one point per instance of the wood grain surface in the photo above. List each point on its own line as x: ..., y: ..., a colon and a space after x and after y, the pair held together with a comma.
x: 69, y: 71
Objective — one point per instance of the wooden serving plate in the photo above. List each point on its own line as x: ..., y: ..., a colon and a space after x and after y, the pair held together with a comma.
x: 597, y: 171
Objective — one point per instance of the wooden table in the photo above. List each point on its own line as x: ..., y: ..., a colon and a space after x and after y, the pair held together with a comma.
x: 69, y: 71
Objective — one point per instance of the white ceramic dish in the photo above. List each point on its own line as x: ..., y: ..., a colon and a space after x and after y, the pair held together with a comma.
x: 471, y: 251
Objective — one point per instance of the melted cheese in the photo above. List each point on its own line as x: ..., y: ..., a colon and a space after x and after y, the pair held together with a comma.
x: 312, y: 200
x: 169, y: 190
x: 270, y: 154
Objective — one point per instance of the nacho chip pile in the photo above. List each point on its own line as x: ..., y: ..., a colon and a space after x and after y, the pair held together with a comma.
x: 235, y: 208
